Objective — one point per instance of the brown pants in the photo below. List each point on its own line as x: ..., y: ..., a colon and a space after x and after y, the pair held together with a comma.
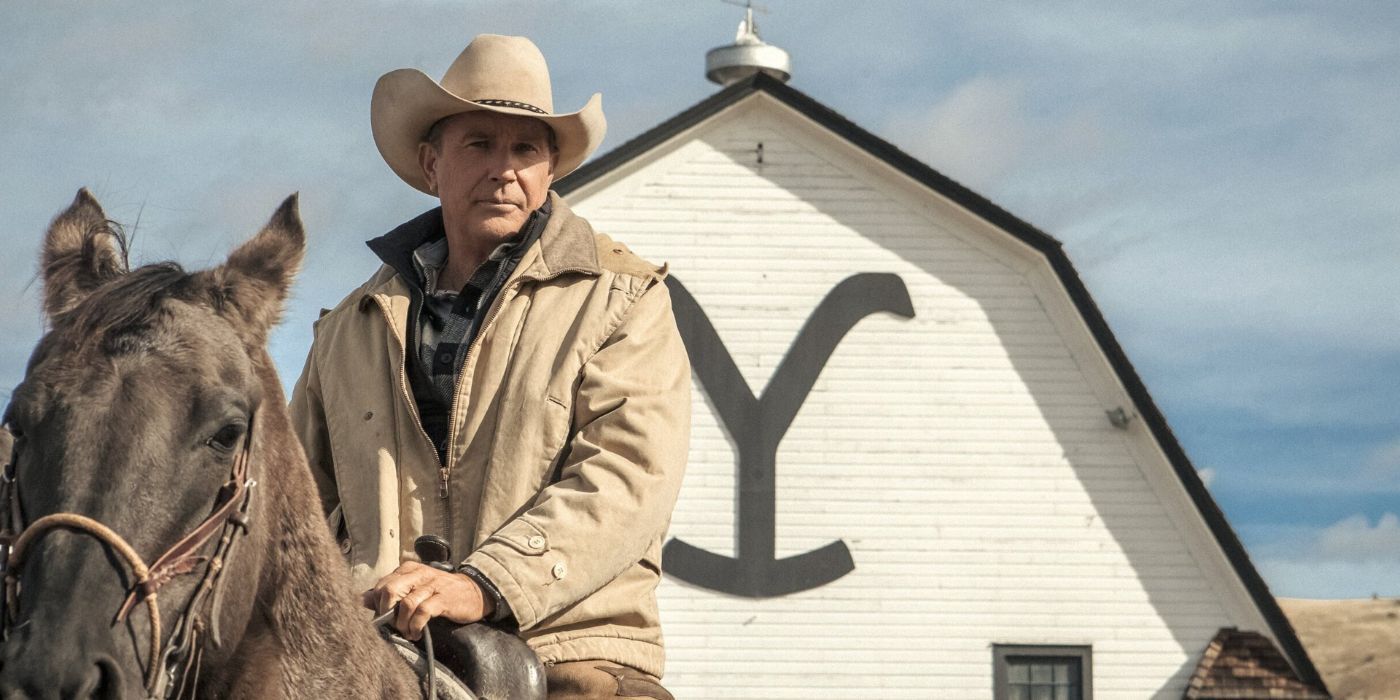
x: 586, y: 680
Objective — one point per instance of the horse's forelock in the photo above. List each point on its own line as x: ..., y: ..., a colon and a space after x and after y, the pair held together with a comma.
x: 116, y: 314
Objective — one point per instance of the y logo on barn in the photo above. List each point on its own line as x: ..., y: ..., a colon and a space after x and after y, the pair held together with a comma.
x: 757, y: 426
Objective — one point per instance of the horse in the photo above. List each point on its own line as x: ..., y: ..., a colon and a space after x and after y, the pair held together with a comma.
x: 154, y: 466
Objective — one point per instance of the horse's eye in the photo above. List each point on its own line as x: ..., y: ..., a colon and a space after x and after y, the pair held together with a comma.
x: 227, y: 438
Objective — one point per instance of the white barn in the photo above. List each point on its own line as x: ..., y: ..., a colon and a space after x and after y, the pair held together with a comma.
x: 922, y: 467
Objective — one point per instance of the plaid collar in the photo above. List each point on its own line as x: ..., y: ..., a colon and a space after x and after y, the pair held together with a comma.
x: 429, y: 259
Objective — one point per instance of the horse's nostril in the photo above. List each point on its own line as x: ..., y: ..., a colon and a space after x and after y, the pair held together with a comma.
x: 108, y: 680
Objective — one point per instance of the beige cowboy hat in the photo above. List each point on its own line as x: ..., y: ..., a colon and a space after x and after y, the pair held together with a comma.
x: 505, y: 74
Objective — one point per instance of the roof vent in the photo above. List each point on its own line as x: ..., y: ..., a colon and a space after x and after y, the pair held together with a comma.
x: 747, y: 55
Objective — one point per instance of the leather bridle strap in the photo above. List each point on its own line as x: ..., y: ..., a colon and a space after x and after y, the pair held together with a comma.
x: 179, y: 559
x: 73, y: 521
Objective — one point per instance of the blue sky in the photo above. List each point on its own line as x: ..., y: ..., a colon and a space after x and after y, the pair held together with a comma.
x: 1224, y: 176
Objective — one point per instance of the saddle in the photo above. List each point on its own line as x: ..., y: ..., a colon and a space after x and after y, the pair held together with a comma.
x: 476, y: 662
x: 469, y: 662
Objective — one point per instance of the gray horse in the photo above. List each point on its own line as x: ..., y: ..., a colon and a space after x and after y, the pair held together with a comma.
x: 158, y: 479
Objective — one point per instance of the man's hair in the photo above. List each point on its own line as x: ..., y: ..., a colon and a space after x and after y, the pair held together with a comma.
x: 434, y: 137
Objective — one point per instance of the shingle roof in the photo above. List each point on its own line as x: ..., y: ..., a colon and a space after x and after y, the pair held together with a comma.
x: 1246, y: 665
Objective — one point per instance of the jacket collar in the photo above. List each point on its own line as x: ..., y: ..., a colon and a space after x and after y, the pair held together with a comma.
x: 565, y: 245
x: 396, y: 247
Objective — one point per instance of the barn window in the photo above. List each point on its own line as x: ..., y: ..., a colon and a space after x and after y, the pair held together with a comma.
x: 1033, y: 672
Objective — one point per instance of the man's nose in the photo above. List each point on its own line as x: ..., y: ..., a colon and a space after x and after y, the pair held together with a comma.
x: 503, y: 167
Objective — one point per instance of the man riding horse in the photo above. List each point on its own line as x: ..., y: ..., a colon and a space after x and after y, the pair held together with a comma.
x: 509, y: 380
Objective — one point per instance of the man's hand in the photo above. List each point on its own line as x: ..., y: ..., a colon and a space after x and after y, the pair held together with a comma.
x: 423, y: 593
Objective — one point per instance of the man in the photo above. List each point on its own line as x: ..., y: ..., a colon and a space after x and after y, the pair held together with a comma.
x: 508, y: 380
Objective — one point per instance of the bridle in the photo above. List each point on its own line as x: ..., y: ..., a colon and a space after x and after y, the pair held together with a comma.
x: 169, y: 672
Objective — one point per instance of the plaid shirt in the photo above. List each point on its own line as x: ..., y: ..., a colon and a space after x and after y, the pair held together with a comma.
x: 450, y: 320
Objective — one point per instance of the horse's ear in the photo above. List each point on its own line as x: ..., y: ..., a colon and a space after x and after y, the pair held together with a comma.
x: 249, y: 289
x: 81, y: 251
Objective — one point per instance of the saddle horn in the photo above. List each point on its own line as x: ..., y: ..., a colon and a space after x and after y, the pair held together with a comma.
x: 434, y: 551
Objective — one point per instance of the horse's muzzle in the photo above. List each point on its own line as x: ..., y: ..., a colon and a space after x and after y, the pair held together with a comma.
x: 25, y: 678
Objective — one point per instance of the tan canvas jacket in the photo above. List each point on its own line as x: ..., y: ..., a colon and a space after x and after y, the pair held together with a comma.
x: 569, y: 435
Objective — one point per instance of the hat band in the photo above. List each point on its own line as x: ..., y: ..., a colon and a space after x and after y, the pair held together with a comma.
x: 513, y: 104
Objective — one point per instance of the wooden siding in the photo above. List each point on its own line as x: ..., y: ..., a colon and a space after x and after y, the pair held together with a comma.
x: 963, y: 455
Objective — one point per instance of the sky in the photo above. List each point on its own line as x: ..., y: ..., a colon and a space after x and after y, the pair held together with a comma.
x: 1224, y: 176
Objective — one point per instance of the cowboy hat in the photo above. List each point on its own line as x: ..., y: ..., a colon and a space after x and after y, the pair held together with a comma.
x: 504, y: 74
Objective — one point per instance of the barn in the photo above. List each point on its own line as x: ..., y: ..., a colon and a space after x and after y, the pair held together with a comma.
x: 921, y: 466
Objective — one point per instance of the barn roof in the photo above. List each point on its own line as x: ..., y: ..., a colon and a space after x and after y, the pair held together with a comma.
x: 1039, y: 240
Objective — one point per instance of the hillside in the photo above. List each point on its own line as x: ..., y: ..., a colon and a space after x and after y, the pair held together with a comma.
x: 1355, y: 644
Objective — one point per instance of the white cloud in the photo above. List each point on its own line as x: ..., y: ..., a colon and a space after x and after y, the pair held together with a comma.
x: 1207, y: 475
x: 1351, y: 558
x: 1296, y: 578
x: 986, y: 129
x: 1356, y: 540
x: 975, y: 135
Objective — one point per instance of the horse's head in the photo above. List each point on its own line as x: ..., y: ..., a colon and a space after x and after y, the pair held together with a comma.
x: 131, y: 413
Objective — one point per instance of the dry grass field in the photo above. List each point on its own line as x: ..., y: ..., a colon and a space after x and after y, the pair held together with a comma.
x: 1355, y: 644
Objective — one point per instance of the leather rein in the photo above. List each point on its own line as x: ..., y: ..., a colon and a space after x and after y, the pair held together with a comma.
x: 169, y: 672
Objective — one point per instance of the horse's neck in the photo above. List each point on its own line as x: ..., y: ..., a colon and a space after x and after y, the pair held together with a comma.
x: 307, y: 631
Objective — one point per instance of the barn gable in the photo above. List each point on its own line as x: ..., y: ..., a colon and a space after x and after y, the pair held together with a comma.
x: 917, y: 444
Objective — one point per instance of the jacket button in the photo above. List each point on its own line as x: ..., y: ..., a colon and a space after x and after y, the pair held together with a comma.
x: 536, y: 542
x: 559, y: 570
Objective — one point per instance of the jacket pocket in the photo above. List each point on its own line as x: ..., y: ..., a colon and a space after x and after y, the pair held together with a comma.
x: 558, y: 424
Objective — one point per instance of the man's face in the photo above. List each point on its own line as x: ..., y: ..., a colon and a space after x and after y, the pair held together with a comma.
x: 490, y: 170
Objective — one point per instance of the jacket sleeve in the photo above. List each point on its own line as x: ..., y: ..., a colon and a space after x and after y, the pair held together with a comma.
x: 619, y: 481
x: 308, y: 417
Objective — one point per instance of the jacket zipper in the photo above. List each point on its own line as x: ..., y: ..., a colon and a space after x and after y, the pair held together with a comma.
x: 444, y: 468
x: 445, y: 472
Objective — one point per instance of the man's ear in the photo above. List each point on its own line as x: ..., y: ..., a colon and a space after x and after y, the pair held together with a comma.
x: 427, y: 160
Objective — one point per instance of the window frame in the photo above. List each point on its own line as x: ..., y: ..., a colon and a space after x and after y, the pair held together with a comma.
x: 1001, y: 685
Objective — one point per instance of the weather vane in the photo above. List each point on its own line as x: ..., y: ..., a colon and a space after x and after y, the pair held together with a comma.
x: 747, y: 28
x: 748, y: 4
